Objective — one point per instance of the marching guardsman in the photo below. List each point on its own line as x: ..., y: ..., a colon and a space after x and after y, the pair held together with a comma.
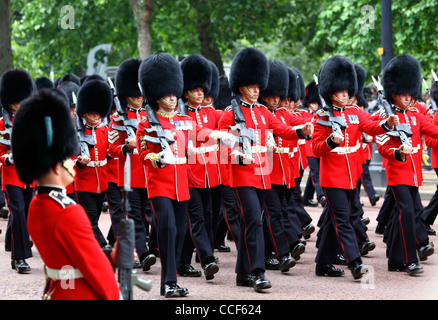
x: 249, y: 169
x: 163, y: 139
x: 285, y: 248
x: 71, y: 89
x: 197, y: 76
x: 298, y: 158
x: 93, y: 104
x: 59, y: 226
x: 365, y: 179
x: 337, y: 145
x: 229, y: 200
x: 122, y: 141
x: 431, y: 210
x: 219, y: 225
x: 401, y: 81
x: 310, y: 105
x: 15, y: 86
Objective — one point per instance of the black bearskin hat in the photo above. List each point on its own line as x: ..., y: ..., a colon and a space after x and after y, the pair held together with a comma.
x: 69, y: 88
x: 300, y: 83
x: 214, y: 88
x: 44, y: 83
x: 43, y: 134
x: 15, y: 86
x: 250, y: 66
x: 225, y: 95
x: 197, y: 73
x: 402, y: 75
x: 434, y: 89
x: 361, y: 76
x: 126, y: 80
x: 92, y: 77
x: 160, y: 75
x: 278, y: 81
x: 336, y: 74
x: 94, y: 96
x: 70, y: 77
x: 312, y: 94
x: 293, y: 90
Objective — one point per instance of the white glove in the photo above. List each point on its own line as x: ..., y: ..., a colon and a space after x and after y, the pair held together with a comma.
x: 166, y: 157
x: 228, y: 139
x: 10, y: 160
x: 225, y: 138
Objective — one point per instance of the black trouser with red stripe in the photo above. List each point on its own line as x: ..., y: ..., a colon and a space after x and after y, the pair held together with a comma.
x: 114, y: 198
x: 405, y: 232
x: 92, y: 204
x: 199, y: 233
x: 251, y: 245
x: 274, y: 220
x: 231, y: 211
x: 337, y: 229
x: 18, y: 200
x: 169, y: 220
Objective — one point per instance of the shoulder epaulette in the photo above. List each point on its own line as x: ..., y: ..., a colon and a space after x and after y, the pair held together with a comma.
x: 229, y: 108
x: 61, y: 198
x: 414, y: 109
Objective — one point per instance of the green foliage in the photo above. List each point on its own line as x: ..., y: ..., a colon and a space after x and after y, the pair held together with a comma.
x: 348, y: 27
x: 298, y: 32
x: 41, y: 44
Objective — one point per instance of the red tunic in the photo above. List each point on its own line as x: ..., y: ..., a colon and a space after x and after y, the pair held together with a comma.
x: 257, y: 117
x: 171, y: 181
x: 93, y: 177
x: 433, y: 144
x: 283, y: 171
x: 63, y: 236
x: 341, y: 167
x: 409, y: 171
x: 117, y: 141
x: 205, y: 163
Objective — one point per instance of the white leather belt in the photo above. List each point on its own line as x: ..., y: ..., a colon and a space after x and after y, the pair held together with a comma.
x: 291, y: 154
x: 203, y: 149
x: 62, y: 274
x: 258, y: 149
x: 282, y: 150
x: 345, y: 150
x: 96, y: 164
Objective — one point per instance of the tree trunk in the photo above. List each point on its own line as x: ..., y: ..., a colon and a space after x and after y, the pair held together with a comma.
x: 142, y: 14
x: 5, y: 36
x: 209, y: 47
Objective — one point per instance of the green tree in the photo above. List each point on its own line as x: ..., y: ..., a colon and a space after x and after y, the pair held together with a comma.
x: 44, y: 37
x: 352, y: 28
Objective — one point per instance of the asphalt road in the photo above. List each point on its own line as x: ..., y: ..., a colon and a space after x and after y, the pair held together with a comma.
x: 300, y: 283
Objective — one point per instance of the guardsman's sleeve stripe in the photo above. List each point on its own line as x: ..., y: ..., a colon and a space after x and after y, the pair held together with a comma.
x: 113, y: 136
x: 382, y: 139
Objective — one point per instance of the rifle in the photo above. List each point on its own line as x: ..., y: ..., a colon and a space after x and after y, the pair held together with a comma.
x: 182, y: 108
x: 128, y: 125
x: 163, y: 137
x: 84, y: 140
x: 336, y: 123
x: 8, y: 128
x: 127, y: 278
x: 401, y: 131
x: 246, y: 135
